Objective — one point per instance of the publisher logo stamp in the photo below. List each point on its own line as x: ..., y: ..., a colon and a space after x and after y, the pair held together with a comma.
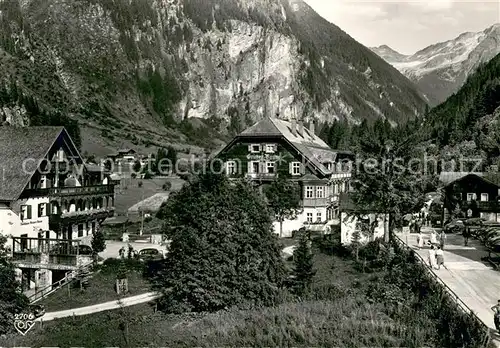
x: 24, y: 322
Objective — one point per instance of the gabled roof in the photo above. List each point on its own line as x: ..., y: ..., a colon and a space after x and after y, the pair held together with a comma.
x: 312, y: 147
x: 18, y: 144
x: 448, y: 178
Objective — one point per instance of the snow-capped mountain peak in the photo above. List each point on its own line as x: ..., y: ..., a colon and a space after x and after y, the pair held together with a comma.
x: 442, y: 68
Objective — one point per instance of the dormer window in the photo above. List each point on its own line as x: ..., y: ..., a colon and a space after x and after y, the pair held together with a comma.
x: 270, y: 148
x: 255, y: 148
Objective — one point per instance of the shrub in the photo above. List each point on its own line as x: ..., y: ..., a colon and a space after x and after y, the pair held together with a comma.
x: 139, y: 184
x: 167, y: 186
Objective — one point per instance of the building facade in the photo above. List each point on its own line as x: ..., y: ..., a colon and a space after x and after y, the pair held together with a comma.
x: 472, y: 195
x: 273, y: 147
x: 50, y: 201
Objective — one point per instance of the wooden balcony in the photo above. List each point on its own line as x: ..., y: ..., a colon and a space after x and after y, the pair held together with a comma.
x: 482, y: 206
x: 261, y: 176
x: 316, y: 202
x: 72, y: 191
x: 45, y: 253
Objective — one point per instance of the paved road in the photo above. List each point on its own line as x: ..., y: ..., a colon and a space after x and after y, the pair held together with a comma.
x: 101, y: 307
x: 475, y: 282
x: 113, y: 247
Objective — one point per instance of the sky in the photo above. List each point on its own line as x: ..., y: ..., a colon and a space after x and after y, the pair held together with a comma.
x: 407, y: 26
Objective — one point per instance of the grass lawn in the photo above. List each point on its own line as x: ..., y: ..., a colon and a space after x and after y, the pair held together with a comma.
x: 129, y: 193
x: 101, y: 289
x: 340, y: 312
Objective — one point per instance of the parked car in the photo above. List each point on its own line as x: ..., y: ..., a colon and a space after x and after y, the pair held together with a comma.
x: 455, y: 226
x: 85, y: 250
x: 148, y: 254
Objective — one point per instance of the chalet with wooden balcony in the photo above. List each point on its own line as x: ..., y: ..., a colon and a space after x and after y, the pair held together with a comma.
x: 471, y: 194
x: 50, y: 201
x: 273, y: 147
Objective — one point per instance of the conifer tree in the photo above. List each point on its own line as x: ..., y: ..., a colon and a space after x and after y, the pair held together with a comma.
x: 304, y: 266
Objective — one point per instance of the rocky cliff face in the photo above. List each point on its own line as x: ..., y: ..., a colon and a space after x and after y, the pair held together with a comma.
x: 441, y: 69
x: 180, y: 71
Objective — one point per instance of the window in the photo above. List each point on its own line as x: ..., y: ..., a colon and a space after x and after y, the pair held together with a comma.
x: 42, y: 209
x: 335, y: 189
x: 318, y: 217
x: 255, y: 167
x: 255, y: 148
x: 80, y: 230
x: 471, y: 196
x: 484, y: 197
x: 309, y: 192
x: 270, y: 167
x: 231, y: 167
x: 309, y: 217
x: 295, y: 168
x: 60, y: 155
x: 270, y: 148
x: 320, y: 192
x: 25, y: 212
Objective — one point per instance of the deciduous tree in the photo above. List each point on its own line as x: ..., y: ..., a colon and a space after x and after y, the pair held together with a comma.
x: 222, y: 252
x: 283, y: 197
x: 385, y: 181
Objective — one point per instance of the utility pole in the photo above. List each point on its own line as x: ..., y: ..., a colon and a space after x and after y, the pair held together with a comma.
x: 142, y: 214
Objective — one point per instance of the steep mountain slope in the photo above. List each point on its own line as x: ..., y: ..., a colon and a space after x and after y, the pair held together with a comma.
x: 179, y: 71
x: 441, y: 69
x: 468, y: 123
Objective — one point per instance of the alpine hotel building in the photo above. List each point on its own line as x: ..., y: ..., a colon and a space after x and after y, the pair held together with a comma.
x: 273, y: 146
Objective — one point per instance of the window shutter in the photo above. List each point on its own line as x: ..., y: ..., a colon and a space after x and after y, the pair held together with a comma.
x: 249, y: 147
x: 48, y: 209
x: 28, y: 212
x: 40, y: 210
x: 249, y: 167
x: 275, y: 147
x: 290, y: 168
x: 302, y: 169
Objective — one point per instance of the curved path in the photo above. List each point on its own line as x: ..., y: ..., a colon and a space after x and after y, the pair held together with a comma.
x: 124, y: 302
x: 101, y: 307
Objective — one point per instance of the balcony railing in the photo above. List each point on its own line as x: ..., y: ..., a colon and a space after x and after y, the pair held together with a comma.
x: 104, y: 212
x: 72, y: 191
x: 261, y: 175
x: 62, y: 252
x: 486, y: 206
x: 315, y: 202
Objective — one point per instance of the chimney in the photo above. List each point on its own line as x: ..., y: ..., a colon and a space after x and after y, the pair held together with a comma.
x: 311, y: 127
x: 301, y: 128
x: 294, y: 126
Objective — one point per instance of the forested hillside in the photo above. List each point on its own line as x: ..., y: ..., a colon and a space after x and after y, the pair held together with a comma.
x: 186, y: 71
x: 465, y: 126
